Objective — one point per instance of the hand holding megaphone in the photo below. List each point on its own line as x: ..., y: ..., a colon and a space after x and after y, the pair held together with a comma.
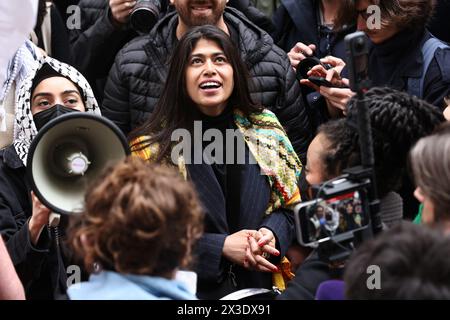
x: 39, y: 219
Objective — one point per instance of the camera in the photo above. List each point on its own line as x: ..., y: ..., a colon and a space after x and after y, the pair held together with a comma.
x: 306, y: 65
x: 357, y: 52
x: 341, y: 209
x: 144, y: 15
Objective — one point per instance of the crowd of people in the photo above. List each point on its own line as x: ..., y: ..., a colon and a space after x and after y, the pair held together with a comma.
x: 225, y: 140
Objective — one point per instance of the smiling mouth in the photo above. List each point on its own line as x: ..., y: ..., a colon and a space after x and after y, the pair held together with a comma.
x: 210, y: 85
x: 201, y: 7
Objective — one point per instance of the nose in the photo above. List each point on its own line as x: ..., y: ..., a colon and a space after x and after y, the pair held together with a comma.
x: 361, y: 24
x: 210, y: 68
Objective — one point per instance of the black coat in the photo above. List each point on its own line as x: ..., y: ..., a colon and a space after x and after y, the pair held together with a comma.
x: 41, y: 267
x: 97, y: 42
x: 216, y: 275
x: 439, y: 24
x: 396, y: 60
x: 138, y: 75
x: 298, y: 21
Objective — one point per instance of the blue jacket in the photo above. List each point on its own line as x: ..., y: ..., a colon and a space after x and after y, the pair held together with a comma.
x: 109, y: 285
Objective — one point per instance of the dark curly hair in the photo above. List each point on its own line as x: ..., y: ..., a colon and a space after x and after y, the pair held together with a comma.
x: 414, y: 263
x: 398, y: 121
x: 139, y: 218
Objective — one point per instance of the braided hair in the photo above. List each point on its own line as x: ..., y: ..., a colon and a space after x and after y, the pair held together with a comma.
x: 398, y: 121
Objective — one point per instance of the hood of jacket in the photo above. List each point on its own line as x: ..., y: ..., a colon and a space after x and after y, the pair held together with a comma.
x: 109, y: 285
x: 254, y: 43
x: 24, y: 127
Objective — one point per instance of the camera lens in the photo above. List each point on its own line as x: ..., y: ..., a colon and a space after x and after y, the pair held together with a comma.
x: 305, y: 65
x: 144, y: 15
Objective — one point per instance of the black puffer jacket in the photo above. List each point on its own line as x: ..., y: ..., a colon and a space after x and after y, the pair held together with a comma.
x: 138, y: 75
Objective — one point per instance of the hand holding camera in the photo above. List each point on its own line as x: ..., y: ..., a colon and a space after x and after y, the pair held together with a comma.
x: 142, y: 14
x: 121, y: 10
x: 299, y: 52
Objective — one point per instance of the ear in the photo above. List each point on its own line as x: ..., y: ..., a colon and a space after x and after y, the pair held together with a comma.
x: 419, y: 195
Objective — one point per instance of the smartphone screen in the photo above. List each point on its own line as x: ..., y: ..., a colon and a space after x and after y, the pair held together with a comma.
x: 318, y: 220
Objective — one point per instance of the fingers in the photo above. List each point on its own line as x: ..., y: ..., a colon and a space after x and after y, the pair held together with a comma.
x: 337, y: 97
x: 299, y: 52
x: 333, y: 75
x: 121, y: 9
x: 255, y: 261
x: 334, y: 61
x: 318, y: 71
x: 295, y: 58
x: 304, y: 49
x: 308, y: 83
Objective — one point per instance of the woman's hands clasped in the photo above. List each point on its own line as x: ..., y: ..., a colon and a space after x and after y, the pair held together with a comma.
x: 252, y: 249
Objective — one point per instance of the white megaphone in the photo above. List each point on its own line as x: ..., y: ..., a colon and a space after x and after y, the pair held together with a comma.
x: 67, y: 154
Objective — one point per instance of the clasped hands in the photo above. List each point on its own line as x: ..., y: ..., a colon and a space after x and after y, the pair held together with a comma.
x: 251, y: 249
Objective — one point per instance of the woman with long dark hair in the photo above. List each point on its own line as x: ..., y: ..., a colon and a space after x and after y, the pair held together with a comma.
x: 246, y: 176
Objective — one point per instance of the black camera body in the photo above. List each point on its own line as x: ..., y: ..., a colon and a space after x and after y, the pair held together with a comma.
x: 342, y: 208
x: 144, y: 16
x: 307, y: 64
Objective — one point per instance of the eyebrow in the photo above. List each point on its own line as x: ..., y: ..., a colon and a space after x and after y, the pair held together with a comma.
x: 46, y: 94
x: 214, y: 54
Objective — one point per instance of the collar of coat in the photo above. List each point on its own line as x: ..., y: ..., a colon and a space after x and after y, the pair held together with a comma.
x: 269, y: 145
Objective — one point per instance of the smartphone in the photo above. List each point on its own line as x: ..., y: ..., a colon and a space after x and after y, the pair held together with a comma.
x: 320, y: 81
x: 319, y: 220
x: 357, y: 52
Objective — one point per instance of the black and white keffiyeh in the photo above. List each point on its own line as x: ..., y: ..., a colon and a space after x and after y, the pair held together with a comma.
x: 24, y: 127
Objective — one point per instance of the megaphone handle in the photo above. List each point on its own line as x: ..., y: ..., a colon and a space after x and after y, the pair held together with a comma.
x: 53, y: 219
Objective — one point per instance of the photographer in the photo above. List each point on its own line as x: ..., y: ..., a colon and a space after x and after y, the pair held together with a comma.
x: 307, y: 28
x: 104, y: 31
x: 398, y: 121
x: 404, y: 55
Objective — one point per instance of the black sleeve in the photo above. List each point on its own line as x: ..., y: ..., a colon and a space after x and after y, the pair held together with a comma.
x: 437, y: 80
x: 282, y: 23
x: 307, y: 279
x: 28, y: 260
x: 281, y: 223
x: 253, y: 14
x: 115, y: 104
x: 293, y: 114
x: 61, y: 49
x: 97, y: 42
